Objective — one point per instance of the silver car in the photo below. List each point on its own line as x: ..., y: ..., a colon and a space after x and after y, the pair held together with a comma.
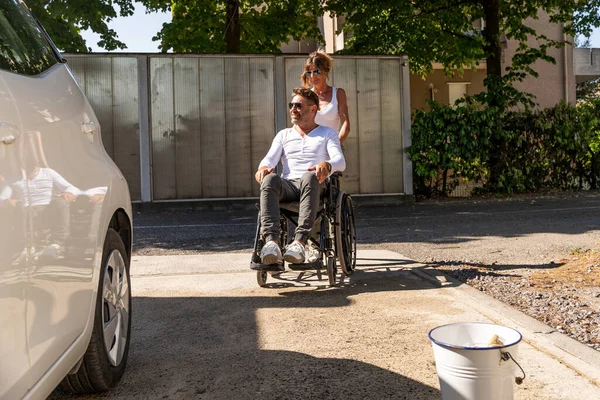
x: 65, y: 226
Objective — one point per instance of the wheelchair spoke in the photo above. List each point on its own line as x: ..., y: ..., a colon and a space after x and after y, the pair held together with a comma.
x: 345, y: 234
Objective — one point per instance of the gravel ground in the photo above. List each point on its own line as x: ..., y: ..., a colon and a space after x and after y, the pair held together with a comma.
x: 566, y: 298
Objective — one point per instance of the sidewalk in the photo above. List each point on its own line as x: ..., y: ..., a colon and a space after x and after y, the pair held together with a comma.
x: 202, y: 328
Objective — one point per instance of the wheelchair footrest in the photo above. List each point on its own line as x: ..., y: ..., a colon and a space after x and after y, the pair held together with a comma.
x: 267, y: 267
x: 306, y: 266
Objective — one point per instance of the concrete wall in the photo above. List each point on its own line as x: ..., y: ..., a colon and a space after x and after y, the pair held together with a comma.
x: 586, y: 64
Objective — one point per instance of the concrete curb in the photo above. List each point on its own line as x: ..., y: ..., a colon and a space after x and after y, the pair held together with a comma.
x: 577, y: 356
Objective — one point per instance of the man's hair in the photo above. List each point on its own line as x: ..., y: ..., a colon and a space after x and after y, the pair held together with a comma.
x: 307, y: 94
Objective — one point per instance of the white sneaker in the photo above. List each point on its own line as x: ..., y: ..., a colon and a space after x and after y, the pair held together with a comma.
x: 294, y: 253
x: 312, y: 253
x: 54, y: 251
x: 271, y: 253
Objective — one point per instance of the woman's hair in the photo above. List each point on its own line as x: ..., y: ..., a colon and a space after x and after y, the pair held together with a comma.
x: 321, y: 60
x: 307, y: 94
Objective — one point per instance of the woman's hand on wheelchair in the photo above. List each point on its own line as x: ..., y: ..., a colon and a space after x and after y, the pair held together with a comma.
x: 261, y: 173
x: 322, y: 170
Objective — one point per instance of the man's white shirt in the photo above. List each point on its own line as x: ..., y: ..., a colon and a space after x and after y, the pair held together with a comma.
x: 298, y: 153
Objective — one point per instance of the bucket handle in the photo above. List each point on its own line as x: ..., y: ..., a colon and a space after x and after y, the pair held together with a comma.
x: 505, y: 356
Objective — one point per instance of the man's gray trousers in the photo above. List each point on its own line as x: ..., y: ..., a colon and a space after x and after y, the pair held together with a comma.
x: 274, y: 189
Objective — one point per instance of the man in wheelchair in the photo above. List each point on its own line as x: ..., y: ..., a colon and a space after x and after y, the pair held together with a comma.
x: 309, y: 153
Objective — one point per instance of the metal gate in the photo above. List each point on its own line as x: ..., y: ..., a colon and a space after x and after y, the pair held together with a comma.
x: 196, y: 126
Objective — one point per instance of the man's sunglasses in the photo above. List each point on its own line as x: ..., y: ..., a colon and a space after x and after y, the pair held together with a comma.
x: 315, y: 72
x: 297, y: 105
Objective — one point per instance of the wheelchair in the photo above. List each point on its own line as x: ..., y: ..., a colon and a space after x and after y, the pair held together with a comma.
x: 336, y: 236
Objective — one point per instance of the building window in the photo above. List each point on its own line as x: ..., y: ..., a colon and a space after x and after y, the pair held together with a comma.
x: 456, y: 90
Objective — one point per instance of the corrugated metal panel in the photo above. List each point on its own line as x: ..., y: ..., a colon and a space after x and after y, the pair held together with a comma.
x: 98, y: 89
x: 188, y: 160
x: 369, y: 125
x: 126, y: 137
x: 391, y: 125
x: 77, y: 65
x: 237, y: 127
x: 262, y: 112
x: 163, y: 129
x: 213, y: 119
x: 293, y: 68
x: 345, y: 78
x: 111, y: 85
x: 212, y: 127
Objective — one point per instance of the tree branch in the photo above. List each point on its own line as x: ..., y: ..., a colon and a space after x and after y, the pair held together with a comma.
x: 447, y: 7
x: 458, y: 35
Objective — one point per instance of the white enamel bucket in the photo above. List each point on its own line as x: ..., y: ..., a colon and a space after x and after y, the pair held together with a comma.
x: 471, y: 365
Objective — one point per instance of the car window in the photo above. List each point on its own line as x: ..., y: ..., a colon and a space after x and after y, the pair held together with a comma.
x: 23, y: 46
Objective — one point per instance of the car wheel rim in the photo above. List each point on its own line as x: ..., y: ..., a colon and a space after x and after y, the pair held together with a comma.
x: 115, y: 307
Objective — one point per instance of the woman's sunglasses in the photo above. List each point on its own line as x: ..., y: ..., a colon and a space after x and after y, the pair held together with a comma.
x: 315, y: 72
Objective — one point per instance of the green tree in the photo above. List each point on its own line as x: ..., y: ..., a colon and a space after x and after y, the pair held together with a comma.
x: 65, y: 19
x: 590, y: 89
x: 235, y: 26
x: 442, y: 30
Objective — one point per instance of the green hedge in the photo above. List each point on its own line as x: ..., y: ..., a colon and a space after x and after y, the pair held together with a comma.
x: 524, y: 151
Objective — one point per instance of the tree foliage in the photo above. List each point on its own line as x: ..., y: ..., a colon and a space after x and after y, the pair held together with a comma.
x: 588, y: 90
x: 65, y: 19
x: 214, y: 26
x: 442, y: 30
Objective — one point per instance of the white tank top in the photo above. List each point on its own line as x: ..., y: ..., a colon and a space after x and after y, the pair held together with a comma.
x: 329, y: 115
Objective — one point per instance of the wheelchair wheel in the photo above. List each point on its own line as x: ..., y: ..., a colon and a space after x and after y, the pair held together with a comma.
x: 331, y: 270
x: 261, y: 278
x: 345, y: 234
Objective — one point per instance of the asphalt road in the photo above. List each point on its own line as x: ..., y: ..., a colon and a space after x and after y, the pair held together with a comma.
x: 522, y: 230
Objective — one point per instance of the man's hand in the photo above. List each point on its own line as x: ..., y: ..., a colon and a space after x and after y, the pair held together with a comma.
x: 12, y: 202
x: 68, y: 196
x: 97, y: 198
x: 323, y: 169
x: 262, y: 172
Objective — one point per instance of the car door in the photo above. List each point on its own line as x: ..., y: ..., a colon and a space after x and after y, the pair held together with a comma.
x: 66, y: 174
x: 14, y: 255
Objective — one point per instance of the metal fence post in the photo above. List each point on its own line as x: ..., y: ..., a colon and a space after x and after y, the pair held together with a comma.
x: 144, y: 119
x: 407, y: 169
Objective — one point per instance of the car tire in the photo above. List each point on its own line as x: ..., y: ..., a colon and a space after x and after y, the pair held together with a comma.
x: 104, y: 362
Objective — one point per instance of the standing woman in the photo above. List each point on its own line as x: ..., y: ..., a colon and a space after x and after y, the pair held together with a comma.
x: 332, y: 112
x: 333, y: 103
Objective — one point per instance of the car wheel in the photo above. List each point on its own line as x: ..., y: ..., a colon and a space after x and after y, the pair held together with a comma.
x: 104, y: 361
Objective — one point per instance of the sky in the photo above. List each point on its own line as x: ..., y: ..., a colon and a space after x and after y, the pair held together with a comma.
x: 137, y: 31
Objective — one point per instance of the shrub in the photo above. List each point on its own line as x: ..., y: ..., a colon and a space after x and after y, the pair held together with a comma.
x: 557, y: 147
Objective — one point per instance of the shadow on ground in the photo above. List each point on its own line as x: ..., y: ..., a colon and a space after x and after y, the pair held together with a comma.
x: 212, y: 347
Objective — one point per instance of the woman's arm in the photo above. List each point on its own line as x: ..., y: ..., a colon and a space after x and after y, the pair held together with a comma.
x: 343, y: 112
